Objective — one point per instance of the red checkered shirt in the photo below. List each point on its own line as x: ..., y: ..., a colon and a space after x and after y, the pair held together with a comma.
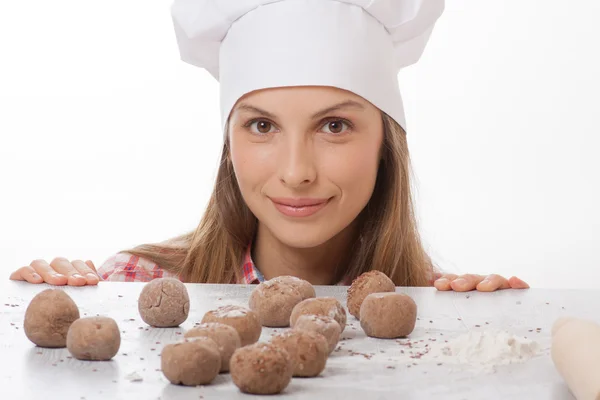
x: 125, y: 267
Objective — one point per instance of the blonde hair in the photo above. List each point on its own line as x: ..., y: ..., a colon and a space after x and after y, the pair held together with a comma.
x: 389, y: 239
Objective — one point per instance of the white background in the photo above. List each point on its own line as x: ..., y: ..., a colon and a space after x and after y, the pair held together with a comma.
x: 108, y: 140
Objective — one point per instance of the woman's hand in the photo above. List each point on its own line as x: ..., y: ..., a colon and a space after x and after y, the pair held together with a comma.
x: 59, y: 272
x: 482, y: 283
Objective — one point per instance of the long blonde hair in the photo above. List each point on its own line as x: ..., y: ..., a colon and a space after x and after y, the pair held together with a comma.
x: 389, y: 239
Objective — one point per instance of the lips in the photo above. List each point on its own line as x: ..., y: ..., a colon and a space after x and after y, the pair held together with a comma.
x: 298, y: 202
x: 299, y: 207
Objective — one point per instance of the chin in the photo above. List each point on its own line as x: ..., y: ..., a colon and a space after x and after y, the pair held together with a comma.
x: 302, y: 239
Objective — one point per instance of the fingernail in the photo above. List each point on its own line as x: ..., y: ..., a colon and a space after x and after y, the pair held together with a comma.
x: 442, y: 280
x: 485, y: 281
x: 57, y: 275
x: 460, y: 281
x: 36, y: 276
x: 77, y: 276
x: 92, y: 276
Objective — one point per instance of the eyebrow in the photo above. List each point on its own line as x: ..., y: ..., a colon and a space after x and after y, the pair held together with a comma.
x: 345, y: 104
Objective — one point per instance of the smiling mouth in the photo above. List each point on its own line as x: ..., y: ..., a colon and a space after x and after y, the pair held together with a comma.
x: 299, y: 207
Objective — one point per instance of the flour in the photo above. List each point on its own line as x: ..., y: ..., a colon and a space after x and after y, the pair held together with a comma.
x: 230, y: 311
x: 485, y: 350
x: 134, y: 377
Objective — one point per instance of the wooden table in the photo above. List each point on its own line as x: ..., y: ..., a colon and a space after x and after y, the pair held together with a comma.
x: 362, y: 368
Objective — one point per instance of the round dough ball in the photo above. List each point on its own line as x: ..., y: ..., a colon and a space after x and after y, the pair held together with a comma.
x: 559, y: 323
x: 195, y: 361
x: 94, y: 339
x: 245, y: 321
x: 307, y: 291
x: 322, y: 324
x: 48, y: 318
x: 388, y: 315
x: 226, y: 337
x: 308, y: 351
x: 261, y: 368
x: 273, y: 302
x: 328, y: 306
x: 164, y: 302
x: 364, y: 285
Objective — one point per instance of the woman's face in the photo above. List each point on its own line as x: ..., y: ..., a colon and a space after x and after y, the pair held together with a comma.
x: 305, y: 159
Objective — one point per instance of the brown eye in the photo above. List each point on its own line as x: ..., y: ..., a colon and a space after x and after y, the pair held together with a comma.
x: 336, y: 126
x: 263, y: 126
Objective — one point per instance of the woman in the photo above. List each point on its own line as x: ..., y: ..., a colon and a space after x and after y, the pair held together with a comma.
x: 314, y: 174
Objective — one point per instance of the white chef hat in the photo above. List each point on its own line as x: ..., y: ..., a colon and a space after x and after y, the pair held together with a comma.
x: 356, y: 45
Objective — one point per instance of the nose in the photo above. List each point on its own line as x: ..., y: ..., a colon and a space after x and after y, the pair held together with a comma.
x: 296, y: 162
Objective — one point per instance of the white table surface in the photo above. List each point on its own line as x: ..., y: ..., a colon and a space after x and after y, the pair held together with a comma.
x: 29, y: 372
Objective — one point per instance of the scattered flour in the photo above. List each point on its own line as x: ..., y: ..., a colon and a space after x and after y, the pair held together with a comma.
x: 134, y: 377
x: 485, y: 350
x: 230, y: 311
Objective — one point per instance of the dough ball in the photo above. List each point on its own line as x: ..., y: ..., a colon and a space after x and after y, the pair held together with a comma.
x: 364, y: 285
x: 307, y: 291
x: 164, y: 302
x: 195, y: 361
x: 322, y: 324
x: 308, y: 351
x: 273, y: 302
x: 328, y: 306
x: 559, y: 323
x: 226, y: 337
x: 48, y: 318
x: 261, y: 368
x: 388, y: 315
x: 245, y: 321
x: 94, y: 339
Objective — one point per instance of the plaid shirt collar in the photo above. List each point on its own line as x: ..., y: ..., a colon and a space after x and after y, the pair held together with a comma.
x: 251, y: 274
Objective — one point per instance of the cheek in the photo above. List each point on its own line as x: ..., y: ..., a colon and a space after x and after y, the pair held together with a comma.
x: 252, y: 165
x: 354, y: 171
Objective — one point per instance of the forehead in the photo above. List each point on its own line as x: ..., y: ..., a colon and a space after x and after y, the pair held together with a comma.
x: 301, y: 97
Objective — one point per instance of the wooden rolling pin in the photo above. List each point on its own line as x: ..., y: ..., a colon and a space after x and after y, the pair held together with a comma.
x: 576, y: 355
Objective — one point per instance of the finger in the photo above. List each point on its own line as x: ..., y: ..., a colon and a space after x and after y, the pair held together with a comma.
x: 517, y: 283
x: 492, y: 283
x: 443, y: 282
x: 90, y: 264
x: 27, y: 274
x: 89, y: 274
x: 48, y: 273
x: 64, y: 266
x: 465, y: 283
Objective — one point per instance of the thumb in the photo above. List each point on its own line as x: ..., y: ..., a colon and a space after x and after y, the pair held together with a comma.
x: 90, y: 264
